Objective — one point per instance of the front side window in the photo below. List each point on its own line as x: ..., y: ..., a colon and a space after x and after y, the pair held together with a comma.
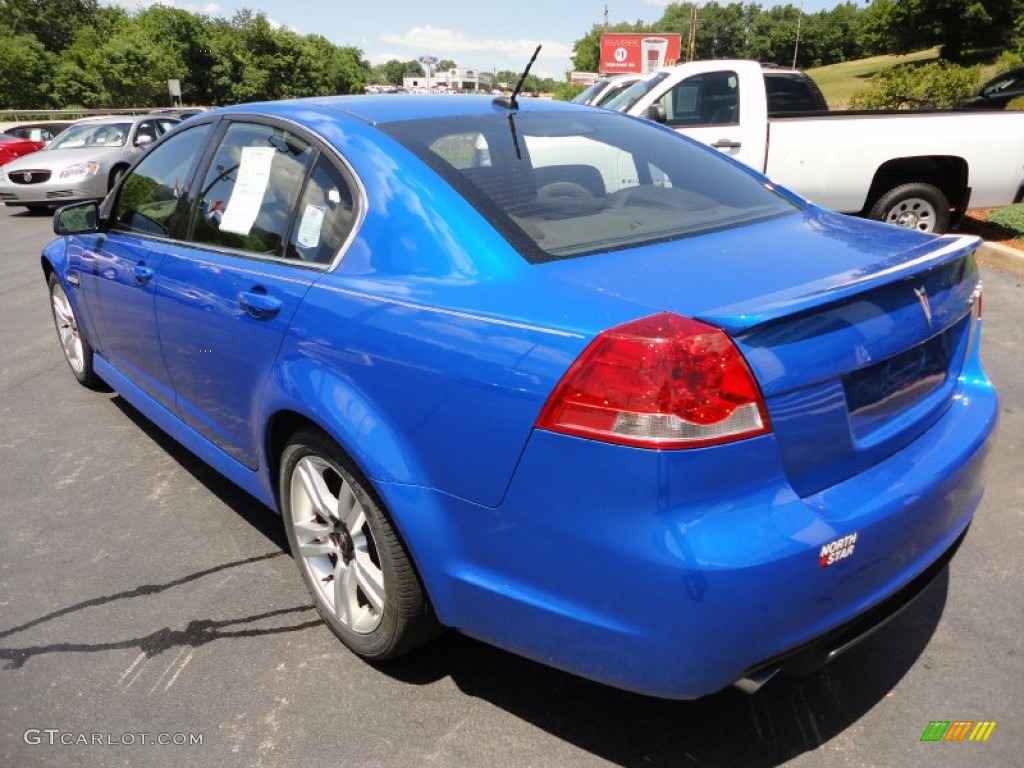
x: 146, y: 133
x: 248, y: 196
x: 560, y: 185
x: 708, y: 99
x: 152, y: 193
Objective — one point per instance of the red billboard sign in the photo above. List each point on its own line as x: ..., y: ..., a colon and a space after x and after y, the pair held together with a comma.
x: 639, y: 52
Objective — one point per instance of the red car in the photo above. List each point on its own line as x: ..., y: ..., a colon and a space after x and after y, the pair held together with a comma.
x: 12, y: 147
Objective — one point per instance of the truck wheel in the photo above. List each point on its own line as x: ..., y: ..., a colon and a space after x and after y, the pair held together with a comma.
x: 916, y: 206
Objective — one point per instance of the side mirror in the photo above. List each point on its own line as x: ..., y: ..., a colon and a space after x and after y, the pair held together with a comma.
x: 77, y: 219
x: 656, y: 113
x: 144, y: 138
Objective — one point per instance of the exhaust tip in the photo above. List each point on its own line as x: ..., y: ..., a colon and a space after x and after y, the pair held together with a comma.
x: 752, y: 683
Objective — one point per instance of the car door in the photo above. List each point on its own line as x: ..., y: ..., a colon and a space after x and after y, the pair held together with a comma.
x: 708, y: 107
x: 119, y: 267
x: 272, y: 213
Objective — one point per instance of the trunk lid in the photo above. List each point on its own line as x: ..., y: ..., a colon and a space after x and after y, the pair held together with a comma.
x: 855, y: 331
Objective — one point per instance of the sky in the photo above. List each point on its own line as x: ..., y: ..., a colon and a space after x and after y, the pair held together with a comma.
x: 473, y: 34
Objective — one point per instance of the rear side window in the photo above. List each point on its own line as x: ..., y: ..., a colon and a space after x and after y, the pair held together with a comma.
x: 324, y: 218
x: 560, y: 185
x: 151, y: 195
x: 792, y: 93
x: 250, y: 190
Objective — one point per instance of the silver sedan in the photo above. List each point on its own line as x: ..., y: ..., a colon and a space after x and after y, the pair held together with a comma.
x: 82, y: 163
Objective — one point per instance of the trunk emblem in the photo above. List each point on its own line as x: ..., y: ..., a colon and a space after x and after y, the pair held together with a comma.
x: 926, y: 305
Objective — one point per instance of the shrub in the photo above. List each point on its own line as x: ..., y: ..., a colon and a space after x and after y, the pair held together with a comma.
x: 567, y: 91
x: 936, y: 85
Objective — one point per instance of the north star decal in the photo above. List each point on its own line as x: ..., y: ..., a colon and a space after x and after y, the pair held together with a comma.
x: 837, y: 550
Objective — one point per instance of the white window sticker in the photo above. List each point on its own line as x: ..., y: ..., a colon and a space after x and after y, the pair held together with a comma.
x: 310, y: 226
x: 247, y: 196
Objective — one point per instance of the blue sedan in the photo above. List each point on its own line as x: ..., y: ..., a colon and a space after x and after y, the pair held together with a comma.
x: 551, y: 376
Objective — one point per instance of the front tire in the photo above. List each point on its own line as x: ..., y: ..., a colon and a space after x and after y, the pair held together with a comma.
x: 350, y: 556
x: 77, y: 350
x: 915, y: 206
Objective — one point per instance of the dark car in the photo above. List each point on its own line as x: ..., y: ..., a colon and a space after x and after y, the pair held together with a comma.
x: 42, y: 132
x: 998, y: 92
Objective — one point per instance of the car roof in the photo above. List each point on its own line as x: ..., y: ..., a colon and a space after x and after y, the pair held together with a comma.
x: 386, y: 108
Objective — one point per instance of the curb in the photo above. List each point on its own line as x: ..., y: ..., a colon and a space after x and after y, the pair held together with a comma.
x: 1002, y: 257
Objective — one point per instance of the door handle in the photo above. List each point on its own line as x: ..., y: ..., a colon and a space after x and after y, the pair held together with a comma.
x: 142, y: 273
x: 259, y: 306
x: 727, y: 144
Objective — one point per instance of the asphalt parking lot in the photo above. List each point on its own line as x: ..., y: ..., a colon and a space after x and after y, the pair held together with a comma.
x: 145, y: 599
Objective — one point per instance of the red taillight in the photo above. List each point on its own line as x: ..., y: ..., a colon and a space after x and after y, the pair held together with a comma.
x: 664, y: 381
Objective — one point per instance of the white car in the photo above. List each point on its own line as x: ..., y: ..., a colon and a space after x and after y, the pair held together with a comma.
x: 82, y: 163
x: 606, y: 89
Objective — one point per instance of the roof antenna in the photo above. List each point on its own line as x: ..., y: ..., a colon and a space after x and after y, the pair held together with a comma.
x: 509, y: 102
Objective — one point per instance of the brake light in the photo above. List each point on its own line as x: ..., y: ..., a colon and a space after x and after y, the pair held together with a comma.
x: 663, y: 381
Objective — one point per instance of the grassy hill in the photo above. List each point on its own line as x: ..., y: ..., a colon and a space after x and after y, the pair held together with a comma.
x: 839, y: 81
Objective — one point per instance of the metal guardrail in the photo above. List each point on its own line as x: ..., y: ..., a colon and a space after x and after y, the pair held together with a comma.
x: 18, y: 115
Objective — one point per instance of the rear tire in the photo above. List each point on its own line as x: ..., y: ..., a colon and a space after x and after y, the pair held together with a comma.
x: 915, y: 206
x: 352, y: 560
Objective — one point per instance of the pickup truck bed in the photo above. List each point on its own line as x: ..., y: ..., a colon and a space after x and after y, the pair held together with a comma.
x: 916, y: 169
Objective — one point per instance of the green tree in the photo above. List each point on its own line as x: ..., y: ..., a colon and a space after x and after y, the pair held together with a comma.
x: 134, y: 71
x: 389, y: 73
x: 900, y: 26
x: 413, y: 68
x: 76, y: 75
x: 185, y: 39
x: 25, y: 71
x: 53, y: 22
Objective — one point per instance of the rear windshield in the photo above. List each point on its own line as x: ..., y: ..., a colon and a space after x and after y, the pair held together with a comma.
x: 588, y: 95
x: 560, y: 185
x: 624, y: 100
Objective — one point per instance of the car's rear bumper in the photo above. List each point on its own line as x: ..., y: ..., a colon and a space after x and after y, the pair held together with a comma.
x: 677, y: 573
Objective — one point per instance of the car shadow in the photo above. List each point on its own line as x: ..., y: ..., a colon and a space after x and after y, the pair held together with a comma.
x: 790, y: 715
x: 253, y: 511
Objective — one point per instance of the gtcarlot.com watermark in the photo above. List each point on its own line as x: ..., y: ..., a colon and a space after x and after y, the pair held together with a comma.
x: 57, y: 737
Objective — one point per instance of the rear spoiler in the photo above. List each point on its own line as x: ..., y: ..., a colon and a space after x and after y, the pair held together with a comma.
x: 800, y: 298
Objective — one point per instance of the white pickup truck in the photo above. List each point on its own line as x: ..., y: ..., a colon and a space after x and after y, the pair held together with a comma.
x: 915, y: 169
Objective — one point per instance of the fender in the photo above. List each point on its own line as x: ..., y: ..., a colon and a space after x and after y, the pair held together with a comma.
x: 63, y: 257
x: 306, y: 387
